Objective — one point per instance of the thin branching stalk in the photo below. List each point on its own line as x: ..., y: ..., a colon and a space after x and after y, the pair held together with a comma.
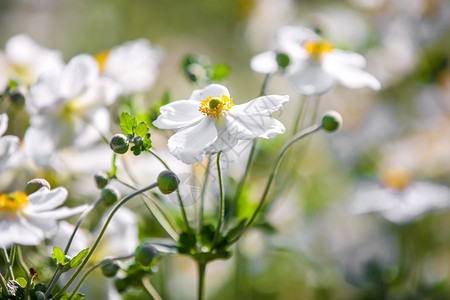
x: 9, y: 265
x: 203, y: 194
x: 221, y: 203
x: 300, y: 114
x: 100, y: 235
x: 299, y: 136
x: 25, y: 268
x: 3, y: 285
x: 149, y: 289
x: 201, y: 280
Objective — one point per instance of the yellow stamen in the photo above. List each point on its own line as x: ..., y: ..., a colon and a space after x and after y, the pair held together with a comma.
x: 317, y: 48
x: 101, y: 58
x: 396, y: 179
x: 215, y: 107
x: 13, y: 202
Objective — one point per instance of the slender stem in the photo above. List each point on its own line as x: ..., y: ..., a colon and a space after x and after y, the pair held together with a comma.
x: 221, y: 203
x: 8, y: 262
x: 265, y: 83
x: 148, y: 287
x: 95, y: 266
x: 300, y: 135
x: 54, y: 280
x: 100, y: 235
x: 12, y: 256
x: 300, y: 113
x: 180, y: 201
x: 25, y: 268
x: 201, y: 280
x: 3, y: 285
x: 114, y: 166
x: 202, y: 196
x: 172, y: 232
x: 80, y: 220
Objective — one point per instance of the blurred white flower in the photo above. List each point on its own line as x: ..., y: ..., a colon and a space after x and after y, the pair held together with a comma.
x: 27, y: 220
x: 209, y: 122
x: 314, y: 64
x: 9, y: 144
x: 67, y: 109
x: 3, y: 73
x: 401, y: 200
x: 27, y: 60
x: 134, y: 65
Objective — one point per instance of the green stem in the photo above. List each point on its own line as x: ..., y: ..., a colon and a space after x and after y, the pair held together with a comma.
x: 201, y: 280
x: 300, y: 135
x: 299, y: 115
x: 265, y: 83
x: 25, y: 268
x: 149, y: 289
x: 221, y: 203
x: 54, y: 280
x: 95, y: 266
x: 100, y: 235
x: 202, y: 196
x: 8, y: 262
x: 3, y: 285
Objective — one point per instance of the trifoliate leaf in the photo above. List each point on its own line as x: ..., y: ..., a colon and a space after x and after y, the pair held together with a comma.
x: 142, y: 129
x: 58, y: 255
x: 220, y: 72
x: 147, y: 143
x: 127, y: 123
x: 76, y: 261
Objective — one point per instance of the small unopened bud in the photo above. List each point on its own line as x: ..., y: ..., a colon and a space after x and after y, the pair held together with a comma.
x: 283, y: 60
x: 138, y: 141
x: 101, y: 179
x: 110, y: 269
x: 110, y: 195
x: 17, y: 98
x: 119, y: 143
x: 168, y: 182
x: 121, y: 284
x: 36, y: 184
x: 146, y: 254
x: 39, y: 295
x: 331, y: 121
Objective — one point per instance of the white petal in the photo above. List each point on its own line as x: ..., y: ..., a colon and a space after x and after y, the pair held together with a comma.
x: 78, y: 75
x: 296, y: 34
x: 39, y: 142
x: 307, y: 78
x: 44, y: 199
x: 212, y: 90
x: 349, y: 75
x: 264, y: 63
x: 189, y: 144
x: 59, y: 213
x: 225, y: 142
x: 243, y: 126
x: 3, y: 123
x: 178, y: 114
x: 347, y: 58
x: 19, y: 231
x: 264, y: 105
x: 9, y: 146
x: 44, y: 93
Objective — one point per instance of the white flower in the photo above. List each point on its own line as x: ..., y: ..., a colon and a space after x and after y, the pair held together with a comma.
x: 9, y: 144
x: 27, y: 220
x: 401, y: 201
x: 67, y: 109
x: 314, y: 64
x: 3, y: 73
x: 134, y: 65
x: 27, y: 60
x: 209, y: 122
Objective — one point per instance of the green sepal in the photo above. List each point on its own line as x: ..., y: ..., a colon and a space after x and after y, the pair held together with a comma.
x: 78, y: 259
x: 58, y: 255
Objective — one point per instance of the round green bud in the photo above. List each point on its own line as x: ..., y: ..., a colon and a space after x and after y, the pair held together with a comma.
x: 331, y: 121
x: 110, y: 269
x: 17, y: 98
x: 168, y: 182
x: 101, y: 179
x: 215, y: 102
x: 36, y: 184
x: 146, y: 254
x: 110, y: 195
x: 283, y: 60
x: 119, y: 143
x: 138, y: 141
x: 121, y: 284
x: 39, y: 295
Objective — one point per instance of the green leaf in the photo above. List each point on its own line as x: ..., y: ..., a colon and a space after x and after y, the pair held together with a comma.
x: 22, y: 281
x: 76, y: 261
x: 58, y: 255
x: 127, y: 123
x: 147, y: 143
x: 142, y: 129
x: 220, y: 72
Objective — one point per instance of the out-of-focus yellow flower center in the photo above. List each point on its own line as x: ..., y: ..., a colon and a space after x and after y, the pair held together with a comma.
x: 101, y: 59
x: 13, y: 202
x: 317, y: 48
x: 23, y: 73
x: 396, y: 179
x: 215, y: 107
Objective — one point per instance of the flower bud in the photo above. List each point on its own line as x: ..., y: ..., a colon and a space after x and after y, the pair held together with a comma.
x: 331, y: 121
x: 110, y: 269
x: 101, y: 179
x: 146, y: 254
x: 168, y: 182
x: 121, y: 284
x: 138, y: 141
x: 119, y: 143
x: 110, y: 195
x: 36, y: 184
x: 283, y: 60
x: 17, y: 98
x: 39, y: 295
